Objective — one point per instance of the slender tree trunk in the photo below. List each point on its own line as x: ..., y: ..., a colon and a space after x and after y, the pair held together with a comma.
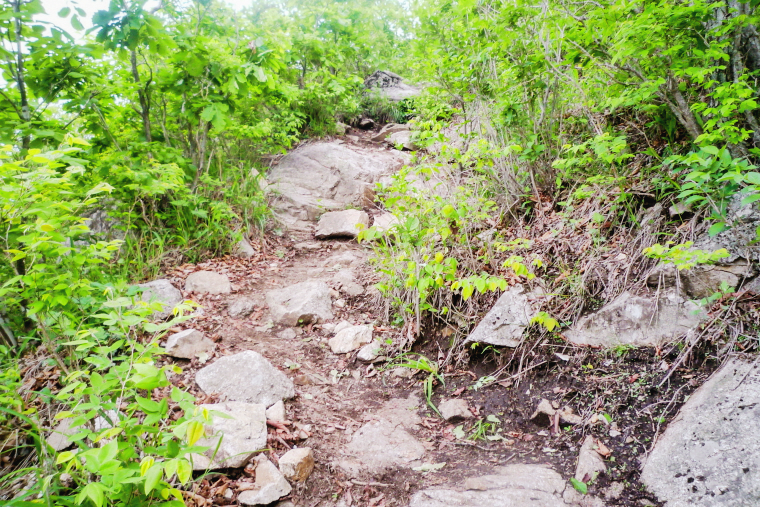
x: 143, y: 97
x: 26, y: 115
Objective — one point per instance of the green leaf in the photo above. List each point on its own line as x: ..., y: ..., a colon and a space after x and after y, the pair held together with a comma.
x: 184, y: 471
x: 152, y: 477
x: 64, y: 12
x: 579, y: 486
x: 717, y: 228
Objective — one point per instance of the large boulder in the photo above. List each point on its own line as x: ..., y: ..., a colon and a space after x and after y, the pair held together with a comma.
x: 508, y: 486
x: 643, y: 321
x: 390, y: 85
x: 300, y: 304
x: 341, y: 224
x: 163, y: 292
x: 247, y: 377
x: 327, y: 176
x: 504, y: 325
x: 233, y: 439
x: 709, y: 455
x: 188, y: 344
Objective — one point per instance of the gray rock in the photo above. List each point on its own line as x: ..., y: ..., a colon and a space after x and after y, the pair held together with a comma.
x: 402, y: 411
x: 342, y: 259
x: 241, y: 307
x: 300, y: 304
x: 544, y: 413
x: 700, y: 281
x: 366, y: 123
x: 247, y: 377
x: 350, y: 339
x: 381, y: 445
x: 244, y: 250
x: 270, y: 485
x: 509, y: 486
x: 277, y: 412
x: 341, y: 128
x: 208, y: 282
x: 163, y: 292
x: 188, y: 344
x: 642, y: 321
x: 740, y: 238
x: 341, y: 224
x: 385, y: 222
x: 370, y: 351
x: 454, y: 409
x: 390, y: 86
x: 590, y: 463
x: 287, y: 334
x: 345, y: 279
x: 709, y: 455
x: 505, y: 323
x: 402, y: 139
x: 326, y: 176
x: 241, y: 435
x: 59, y: 437
x: 391, y: 128
x: 297, y: 464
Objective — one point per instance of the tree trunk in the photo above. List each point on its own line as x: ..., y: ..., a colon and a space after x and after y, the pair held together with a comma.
x: 143, y: 97
x: 26, y: 115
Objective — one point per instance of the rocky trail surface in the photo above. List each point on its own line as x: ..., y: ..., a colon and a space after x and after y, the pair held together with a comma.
x: 289, y: 344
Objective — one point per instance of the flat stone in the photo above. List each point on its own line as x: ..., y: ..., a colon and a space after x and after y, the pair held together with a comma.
x: 163, y: 292
x: 208, y: 282
x: 309, y: 245
x: 300, y: 304
x: 350, y: 339
x: 401, y: 139
x: 341, y: 224
x: 342, y: 259
x: 277, y: 412
x: 590, y: 463
x: 504, y: 325
x: 454, y: 409
x: 509, y: 486
x: 270, y: 485
x: 244, y: 250
x: 709, y: 455
x: 241, y: 435
x: 188, y: 344
x: 287, y: 334
x: 641, y: 321
x: 345, y: 279
x: 391, y: 128
x: 247, y: 377
x: 386, y: 222
x: 370, y: 351
x: 59, y: 437
x: 381, y: 445
x: 402, y: 411
x: 297, y: 464
x: 701, y: 281
x: 241, y: 307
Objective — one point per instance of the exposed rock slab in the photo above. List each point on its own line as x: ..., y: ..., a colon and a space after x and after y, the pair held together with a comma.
x: 390, y: 86
x: 402, y: 139
x: 243, y: 434
x: 381, y: 445
x: 341, y: 224
x: 642, y: 321
x: 300, y: 304
x: 59, y: 437
x: 345, y: 279
x: 270, y: 485
x: 740, y: 238
x: 504, y: 325
x: 350, y: 339
x: 710, y: 454
x: 327, y: 176
x: 391, y: 128
x: 509, y: 486
x: 208, y: 282
x: 188, y: 344
x: 700, y: 281
x: 161, y: 291
x: 247, y: 377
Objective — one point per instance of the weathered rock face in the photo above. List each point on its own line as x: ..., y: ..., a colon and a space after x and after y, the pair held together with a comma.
x: 302, y: 303
x: 241, y: 435
x: 208, y: 282
x: 391, y: 128
x: 345, y: 279
x: 381, y: 445
x: 509, y: 486
x: 161, y: 291
x: 643, y: 321
x: 341, y: 224
x: 710, y: 454
x: 700, y: 281
x: 350, y: 339
x: 326, y: 176
x: 247, y: 377
x: 401, y: 139
x: 188, y: 344
x: 739, y: 239
x: 390, y: 86
x: 505, y: 323
x: 270, y: 485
